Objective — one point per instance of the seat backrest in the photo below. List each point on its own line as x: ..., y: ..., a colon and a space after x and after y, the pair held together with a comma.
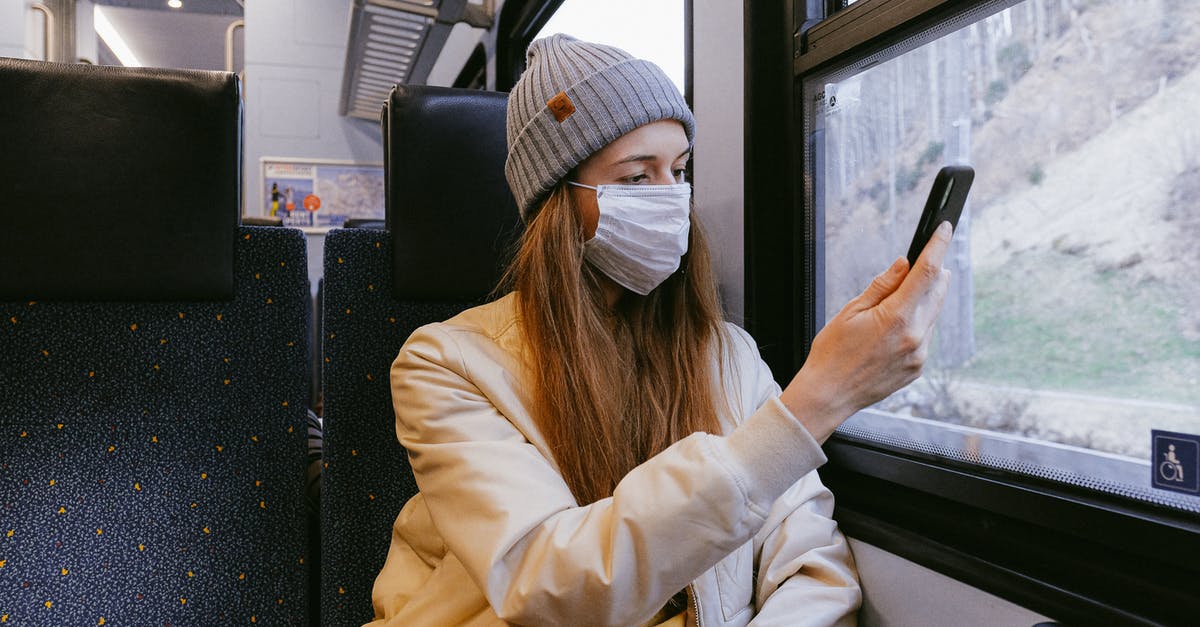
x: 94, y: 158
x: 448, y: 204
x: 154, y: 437
x: 451, y: 218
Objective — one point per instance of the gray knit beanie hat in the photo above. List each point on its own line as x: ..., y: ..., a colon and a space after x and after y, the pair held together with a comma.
x: 575, y: 98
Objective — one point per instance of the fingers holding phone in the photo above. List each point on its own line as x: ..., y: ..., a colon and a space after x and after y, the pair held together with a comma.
x: 920, y: 296
x: 947, y: 197
x: 925, y: 287
x: 874, y: 346
x: 879, y: 341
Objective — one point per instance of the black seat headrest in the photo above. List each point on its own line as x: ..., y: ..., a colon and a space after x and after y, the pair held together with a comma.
x: 118, y: 184
x: 449, y: 208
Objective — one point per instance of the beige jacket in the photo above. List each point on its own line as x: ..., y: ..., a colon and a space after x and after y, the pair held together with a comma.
x: 495, y: 536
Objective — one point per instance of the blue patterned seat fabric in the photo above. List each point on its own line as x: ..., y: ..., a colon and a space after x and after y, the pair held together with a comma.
x: 366, y: 477
x: 153, y: 453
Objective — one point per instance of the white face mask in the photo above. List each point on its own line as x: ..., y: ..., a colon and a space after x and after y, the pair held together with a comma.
x: 642, y: 233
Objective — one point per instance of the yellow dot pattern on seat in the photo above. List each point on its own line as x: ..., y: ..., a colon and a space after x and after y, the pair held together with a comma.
x: 365, y: 477
x: 152, y: 471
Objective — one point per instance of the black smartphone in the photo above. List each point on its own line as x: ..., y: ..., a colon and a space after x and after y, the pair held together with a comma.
x: 945, y: 203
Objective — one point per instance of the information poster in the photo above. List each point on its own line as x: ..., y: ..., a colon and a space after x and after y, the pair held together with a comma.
x: 323, y: 194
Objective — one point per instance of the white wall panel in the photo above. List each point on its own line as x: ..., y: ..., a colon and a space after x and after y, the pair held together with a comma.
x: 13, y: 24
x: 295, y: 52
x: 899, y: 593
x: 718, y: 92
x: 86, y: 41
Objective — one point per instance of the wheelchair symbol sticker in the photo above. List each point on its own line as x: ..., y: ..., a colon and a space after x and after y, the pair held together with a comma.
x: 1176, y: 462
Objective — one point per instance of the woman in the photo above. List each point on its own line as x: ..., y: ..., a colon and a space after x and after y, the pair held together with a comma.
x: 598, y: 446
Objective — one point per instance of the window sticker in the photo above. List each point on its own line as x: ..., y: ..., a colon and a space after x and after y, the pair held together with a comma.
x: 1176, y: 463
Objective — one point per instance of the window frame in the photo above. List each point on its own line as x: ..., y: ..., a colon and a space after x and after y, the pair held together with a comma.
x: 1071, y: 553
x: 1037, y: 544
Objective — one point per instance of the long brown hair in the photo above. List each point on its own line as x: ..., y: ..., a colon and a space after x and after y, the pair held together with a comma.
x: 612, y: 388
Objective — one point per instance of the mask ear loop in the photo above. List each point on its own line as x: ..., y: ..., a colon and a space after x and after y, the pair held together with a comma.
x: 574, y: 208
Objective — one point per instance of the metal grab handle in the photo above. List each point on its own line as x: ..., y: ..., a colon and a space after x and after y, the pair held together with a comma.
x: 229, y: 42
x: 48, y: 32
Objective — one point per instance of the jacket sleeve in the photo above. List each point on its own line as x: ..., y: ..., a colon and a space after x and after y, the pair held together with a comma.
x: 539, y: 557
x: 806, y: 573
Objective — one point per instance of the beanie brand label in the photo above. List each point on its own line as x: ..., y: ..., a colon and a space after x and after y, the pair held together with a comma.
x: 561, y: 106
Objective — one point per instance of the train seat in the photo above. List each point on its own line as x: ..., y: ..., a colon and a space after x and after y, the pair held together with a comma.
x: 450, y: 219
x: 154, y: 371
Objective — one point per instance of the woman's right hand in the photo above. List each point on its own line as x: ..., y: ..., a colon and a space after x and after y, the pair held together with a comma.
x: 875, y: 345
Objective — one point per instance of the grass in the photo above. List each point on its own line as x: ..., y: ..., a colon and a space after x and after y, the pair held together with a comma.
x: 1051, y: 321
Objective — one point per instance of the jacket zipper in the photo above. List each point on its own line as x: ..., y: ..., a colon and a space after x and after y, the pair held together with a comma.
x: 695, y: 601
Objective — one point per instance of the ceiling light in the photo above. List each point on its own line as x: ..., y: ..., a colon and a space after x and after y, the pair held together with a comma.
x: 175, y: 4
x: 113, y: 39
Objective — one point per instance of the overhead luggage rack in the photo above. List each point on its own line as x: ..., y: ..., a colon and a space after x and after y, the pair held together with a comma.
x: 397, y: 42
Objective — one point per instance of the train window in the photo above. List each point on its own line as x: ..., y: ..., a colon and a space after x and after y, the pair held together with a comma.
x: 647, y: 30
x: 1072, y: 326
